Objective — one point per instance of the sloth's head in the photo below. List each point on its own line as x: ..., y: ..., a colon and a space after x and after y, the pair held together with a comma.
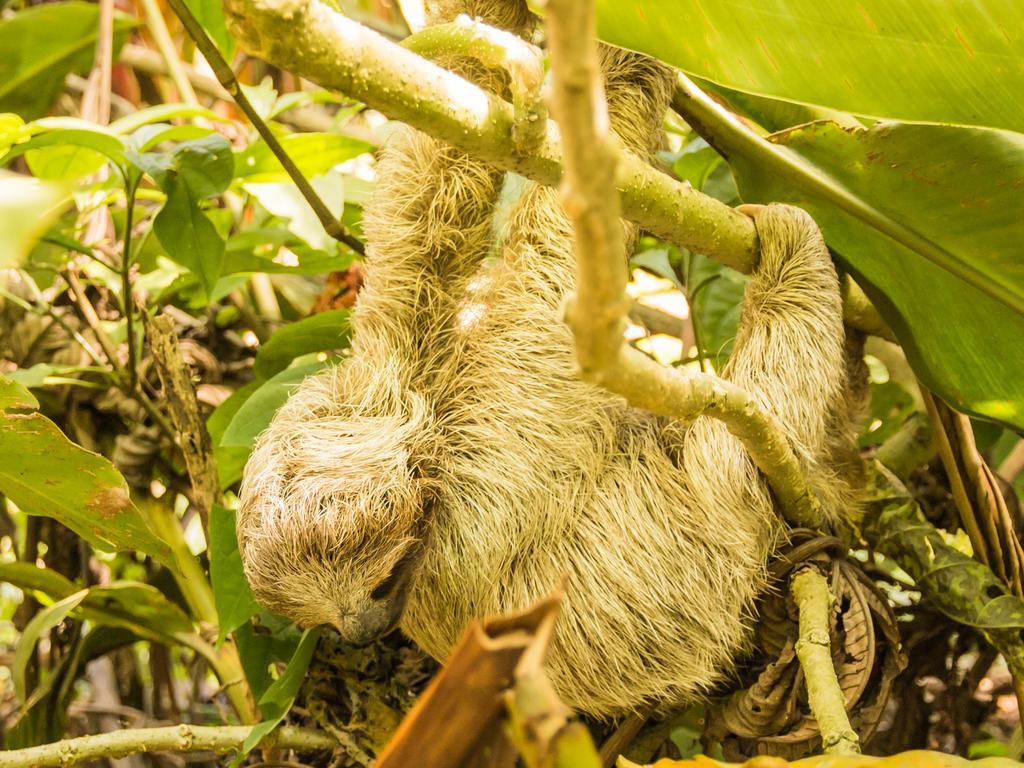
x: 332, y: 514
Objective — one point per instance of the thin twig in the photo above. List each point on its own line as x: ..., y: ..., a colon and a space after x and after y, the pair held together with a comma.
x: 227, y: 78
x: 824, y: 695
x: 126, y: 283
x: 174, y: 738
x: 596, y: 313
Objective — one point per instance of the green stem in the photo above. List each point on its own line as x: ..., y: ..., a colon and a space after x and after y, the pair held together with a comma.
x: 227, y: 78
x: 174, y: 738
x: 126, y: 284
x: 195, y: 587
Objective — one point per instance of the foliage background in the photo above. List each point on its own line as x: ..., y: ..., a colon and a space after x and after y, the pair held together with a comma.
x: 135, y: 188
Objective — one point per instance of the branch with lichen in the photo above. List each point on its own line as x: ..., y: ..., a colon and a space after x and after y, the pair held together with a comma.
x: 175, y: 738
x: 813, y: 600
x: 596, y: 314
x: 310, y: 39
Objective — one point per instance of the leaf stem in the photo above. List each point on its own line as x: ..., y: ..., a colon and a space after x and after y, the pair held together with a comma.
x: 131, y: 187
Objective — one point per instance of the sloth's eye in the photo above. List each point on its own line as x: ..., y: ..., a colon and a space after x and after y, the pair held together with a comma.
x: 393, y: 579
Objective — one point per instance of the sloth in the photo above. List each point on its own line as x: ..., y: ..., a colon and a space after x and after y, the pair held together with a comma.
x: 452, y: 466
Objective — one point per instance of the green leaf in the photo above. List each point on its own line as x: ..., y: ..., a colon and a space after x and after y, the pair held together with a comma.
x: 210, y: 14
x: 15, y: 395
x: 717, y: 292
x: 44, y: 473
x: 231, y: 592
x: 230, y: 459
x: 920, y: 60
x: 41, y: 45
x: 955, y: 190
x: 259, y: 250
x: 205, y: 164
x: 161, y: 113
x: 187, y: 234
x: 312, y: 153
x: 323, y: 332
x: 278, y: 698
x: 255, y: 415
x: 90, y: 140
x: 41, y: 623
x: 27, y: 208
x: 31, y: 578
x: 285, y: 200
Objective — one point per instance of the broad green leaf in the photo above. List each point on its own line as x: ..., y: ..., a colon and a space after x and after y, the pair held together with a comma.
x: 140, y: 608
x: 231, y: 592
x: 260, y: 250
x: 285, y: 200
x: 63, y: 162
x: 44, y: 473
x: 27, y: 208
x: 254, y: 416
x: 31, y: 578
x: 323, y: 332
x: 715, y: 294
x: 148, y: 136
x: 15, y: 395
x: 41, y: 45
x: 312, y: 153
x: 12, y: 129
x: 188, y: 235
x: 958, y: 191
x: 920, y: 60
x: 277, y: 699
x: 41, y: 623
x: 132, y: 605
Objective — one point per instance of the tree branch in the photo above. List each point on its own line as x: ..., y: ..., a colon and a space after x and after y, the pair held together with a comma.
x: 813, y: 600
x: 310, y: 39
x: 597, y: 312
x: 175, y: 738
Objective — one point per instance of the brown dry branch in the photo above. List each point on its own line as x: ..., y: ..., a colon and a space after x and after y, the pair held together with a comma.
x: 458, y: 719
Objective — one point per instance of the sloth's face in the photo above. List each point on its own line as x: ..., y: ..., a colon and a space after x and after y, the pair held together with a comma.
x: 336, y: 563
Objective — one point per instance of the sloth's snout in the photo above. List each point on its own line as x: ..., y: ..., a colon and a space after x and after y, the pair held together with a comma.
x: 362, y: 626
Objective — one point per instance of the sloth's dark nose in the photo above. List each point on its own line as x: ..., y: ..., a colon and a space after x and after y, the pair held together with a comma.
x: 362, y: 627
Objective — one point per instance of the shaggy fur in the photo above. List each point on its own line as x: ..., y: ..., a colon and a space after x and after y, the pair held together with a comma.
x: 456, y: 438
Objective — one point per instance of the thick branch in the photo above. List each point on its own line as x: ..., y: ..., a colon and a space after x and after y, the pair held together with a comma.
x: 814, y: 649
x: 308, y: 38
x: 175, y: 738
x: 597, y: 312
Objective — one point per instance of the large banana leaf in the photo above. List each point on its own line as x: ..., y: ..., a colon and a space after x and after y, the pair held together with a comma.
x: 924, y: 60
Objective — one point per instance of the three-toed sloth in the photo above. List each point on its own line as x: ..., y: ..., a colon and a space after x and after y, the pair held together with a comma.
x: 453, y: 466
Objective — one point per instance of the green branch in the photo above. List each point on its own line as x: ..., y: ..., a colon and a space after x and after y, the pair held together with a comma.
x: 175, y: 738
x: 813, y: 599
x: 311, y: 40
